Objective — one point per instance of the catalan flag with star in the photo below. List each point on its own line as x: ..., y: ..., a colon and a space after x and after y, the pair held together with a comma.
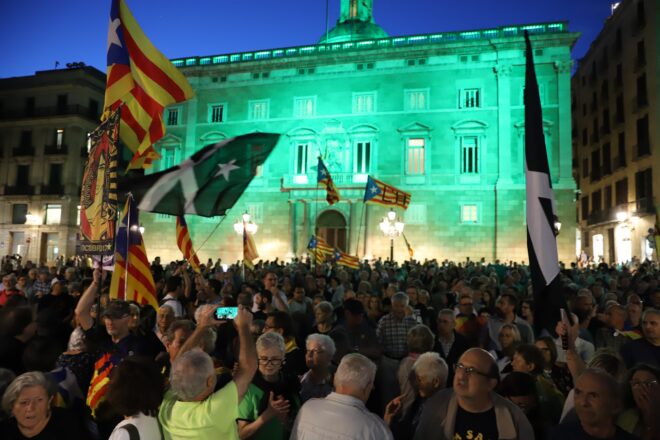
x: 141, y: 80
x: 132, y: 279
x: 320, y: 248
x: 346, y: 260
x: 325, y: 179
x: 384, y: 194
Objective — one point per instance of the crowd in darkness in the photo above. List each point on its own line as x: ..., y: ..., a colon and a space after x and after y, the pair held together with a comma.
x: 419, y: 350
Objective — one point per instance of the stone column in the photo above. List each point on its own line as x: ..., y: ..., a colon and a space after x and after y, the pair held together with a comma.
x: 563, y: 71
x: 291, y: 252
x: 354, y: 228
x: 368, y: 230
x: 190, y: 142
x: 503, y: 73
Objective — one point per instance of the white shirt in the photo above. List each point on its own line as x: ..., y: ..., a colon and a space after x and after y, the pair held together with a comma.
x: 338, y: 417
x: 584, y: 349
x: 174, y: 303
x: 147, y: 427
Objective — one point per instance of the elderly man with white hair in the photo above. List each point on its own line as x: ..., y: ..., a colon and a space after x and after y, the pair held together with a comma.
x: 430, y: 375
x: 317, y: 382
x: 191, y: 408
x: 343, y: 414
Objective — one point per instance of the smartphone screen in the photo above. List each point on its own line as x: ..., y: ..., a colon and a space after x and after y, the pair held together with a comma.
x: 224, y: 313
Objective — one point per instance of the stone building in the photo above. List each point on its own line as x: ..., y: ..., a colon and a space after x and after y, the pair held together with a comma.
x: 44, y: 121
x: 616, y: 136
x: 438, y: 115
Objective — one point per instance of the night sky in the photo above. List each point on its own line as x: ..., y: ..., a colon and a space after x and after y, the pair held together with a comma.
x: 35, y: 34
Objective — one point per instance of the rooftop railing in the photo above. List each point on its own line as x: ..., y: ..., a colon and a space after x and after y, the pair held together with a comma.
x: 412, y: 40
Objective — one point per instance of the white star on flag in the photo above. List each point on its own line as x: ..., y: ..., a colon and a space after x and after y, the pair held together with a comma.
x: 226, y: 168
x: 113, y: 38
x: 323, y: 173
x: 374, y: 189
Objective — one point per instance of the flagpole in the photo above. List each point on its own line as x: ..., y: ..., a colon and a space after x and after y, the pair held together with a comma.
x: 357, y: 245
x: 129, y: 196
x: 316, y: 213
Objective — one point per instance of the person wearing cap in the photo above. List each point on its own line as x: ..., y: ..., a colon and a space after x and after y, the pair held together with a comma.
x: 115, y: 342
x: 471, y: 409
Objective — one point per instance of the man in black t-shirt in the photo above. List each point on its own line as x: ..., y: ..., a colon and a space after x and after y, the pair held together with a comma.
x: 471, y: 409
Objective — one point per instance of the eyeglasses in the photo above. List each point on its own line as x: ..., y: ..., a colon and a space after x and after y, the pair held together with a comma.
x: 469, y: 370
x: 643, y: 383
x: 275, y: 362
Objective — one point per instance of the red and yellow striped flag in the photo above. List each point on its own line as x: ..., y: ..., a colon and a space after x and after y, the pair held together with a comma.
x: 184, y: 242
x: 249, y: 248
x: 141, y: 79
x: 132, y: 279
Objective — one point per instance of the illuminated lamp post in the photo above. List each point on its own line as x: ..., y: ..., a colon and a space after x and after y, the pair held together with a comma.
x: 392, y: 228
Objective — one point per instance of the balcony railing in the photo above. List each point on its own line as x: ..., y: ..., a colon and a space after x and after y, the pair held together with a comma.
x: 22, y: 151
x: 52, y: 190
x: 645, y: 206
x: 309, y: 179
x: 44, y: 112
x: 19, y: 190
x: 602, y: 216
x: 55, y: 149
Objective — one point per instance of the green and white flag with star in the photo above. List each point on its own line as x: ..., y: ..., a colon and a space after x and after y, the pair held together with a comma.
x: 209, y: 182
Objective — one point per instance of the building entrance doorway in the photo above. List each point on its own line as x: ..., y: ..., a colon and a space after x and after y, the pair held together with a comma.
x: 332, y: 228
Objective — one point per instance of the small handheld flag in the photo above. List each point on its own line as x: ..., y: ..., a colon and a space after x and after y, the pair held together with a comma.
x: 184, y: 242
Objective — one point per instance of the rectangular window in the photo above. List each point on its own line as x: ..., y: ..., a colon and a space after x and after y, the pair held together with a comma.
x: 78, y: 215
x: 622, y: 150
x: 258, y: 109
x: 19, y: 213
x: 362, y: 157
x: 59, y: 137
x: 643, y: 144
x: 621, y: 192
x: 595, y: 166
x: 55, y: 177
x: 415, y: 214
x: 416, y: 99
x: 595, y: 201
x: 469, y: 214
x: 168, y: 158
x: 469, y: 155
x: 52, y: 248
x: 607, y: 201
x: 217, y: 113
x: 300, y: 165
x: 22, y: 175
x: 173, y: 116
x: 415, y: 156
x: 585, y: 207
x: 607, y: 159
x: 470, y: 98
x: 304, y: 106
x: 53, y: 214
x: 364, y: 102
x: 26, y: 139
x: 62, y: 101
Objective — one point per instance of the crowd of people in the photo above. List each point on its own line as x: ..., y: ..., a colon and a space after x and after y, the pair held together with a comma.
x: 420, y: 350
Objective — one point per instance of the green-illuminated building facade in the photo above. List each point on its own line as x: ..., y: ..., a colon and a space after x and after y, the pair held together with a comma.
x: 438, y: 115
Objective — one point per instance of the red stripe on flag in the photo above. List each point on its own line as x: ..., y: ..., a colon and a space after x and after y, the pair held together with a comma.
x: 151, y: 69
x: 128, y: 119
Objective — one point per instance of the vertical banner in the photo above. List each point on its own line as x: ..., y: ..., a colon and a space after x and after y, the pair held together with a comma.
x: 98, y: 196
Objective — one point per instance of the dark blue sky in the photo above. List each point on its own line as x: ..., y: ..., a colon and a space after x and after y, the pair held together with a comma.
x: 37, y: 33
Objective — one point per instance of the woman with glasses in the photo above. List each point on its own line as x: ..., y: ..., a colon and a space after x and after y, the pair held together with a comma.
x: 642, y: 400
x: 271, y: 403
x: 557, y: 374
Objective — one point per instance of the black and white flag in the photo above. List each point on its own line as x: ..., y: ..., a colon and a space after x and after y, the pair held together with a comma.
x: 541, y: 210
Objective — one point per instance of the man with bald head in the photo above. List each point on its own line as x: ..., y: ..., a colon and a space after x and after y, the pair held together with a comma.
x: 471, y: 409
x: 597, y: 404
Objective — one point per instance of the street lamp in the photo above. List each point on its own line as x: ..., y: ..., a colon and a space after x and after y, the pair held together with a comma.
x: 392, y: 228
x: 245, y: 222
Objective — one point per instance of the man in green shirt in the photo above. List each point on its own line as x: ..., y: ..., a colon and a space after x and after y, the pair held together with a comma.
x: 191, y: 408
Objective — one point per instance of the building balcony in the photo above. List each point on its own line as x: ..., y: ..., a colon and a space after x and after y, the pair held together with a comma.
x: 55, y: 149
x: 19, y: 190
x: 618, y: 162
x: 46, y: 112
x: 309, y: 179
x: 645, y: 206
x: 639, y: 102
x: 22, y: 151
x: 602, y: 216
x: 52, y: 190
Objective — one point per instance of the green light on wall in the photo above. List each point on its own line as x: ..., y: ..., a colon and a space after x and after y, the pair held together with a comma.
x: 191, y: 61
x: 204, y: 61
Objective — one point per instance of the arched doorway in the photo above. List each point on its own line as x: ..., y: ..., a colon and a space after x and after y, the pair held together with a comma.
x: 332, y: 228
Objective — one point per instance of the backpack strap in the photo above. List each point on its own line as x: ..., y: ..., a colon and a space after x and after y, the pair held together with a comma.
x: 133, y: 433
